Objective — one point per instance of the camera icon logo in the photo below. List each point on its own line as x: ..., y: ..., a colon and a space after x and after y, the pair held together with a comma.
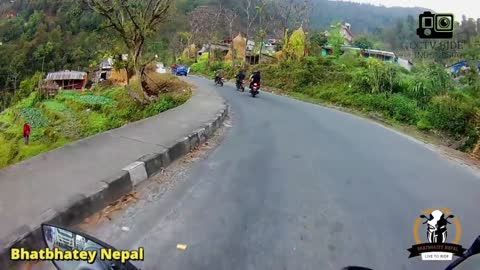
x: 439, y: 26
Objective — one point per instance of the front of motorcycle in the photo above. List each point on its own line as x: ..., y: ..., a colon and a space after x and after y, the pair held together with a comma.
x: 240, y: 85
x: 75, y: 250
x: 219, y: 81
x: 473, y: 250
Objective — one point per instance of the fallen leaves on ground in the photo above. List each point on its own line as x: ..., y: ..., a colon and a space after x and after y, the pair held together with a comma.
x: 118, y: 205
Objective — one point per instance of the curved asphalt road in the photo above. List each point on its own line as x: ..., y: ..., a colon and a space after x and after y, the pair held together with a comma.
x: 298, y: 186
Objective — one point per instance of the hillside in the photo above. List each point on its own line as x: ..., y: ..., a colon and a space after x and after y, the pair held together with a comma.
x: 362, y: 17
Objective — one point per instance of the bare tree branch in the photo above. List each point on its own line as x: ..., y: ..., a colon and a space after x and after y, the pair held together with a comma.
x: 135, y: 21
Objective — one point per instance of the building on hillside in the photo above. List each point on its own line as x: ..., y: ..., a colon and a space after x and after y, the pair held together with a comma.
x: 104, y: 70
x: 11, y: 15
x: 254, y: 59
x: 405, y: 63
x: 224, y: 47
x: 269, y: 49
x: 367, y: 53
x: 160, y: 68
x: 220, y: 46
x: 274, y: 41
x: 68, y: 79
x: 347, y: 33
x: 345, y: 30
x: 384, y: 56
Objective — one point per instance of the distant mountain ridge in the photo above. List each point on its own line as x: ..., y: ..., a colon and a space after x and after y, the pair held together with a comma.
x: 364, y: 18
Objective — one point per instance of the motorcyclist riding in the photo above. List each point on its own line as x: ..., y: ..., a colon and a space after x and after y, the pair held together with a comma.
x: 240, y: 77
x: 218, y: 75
x: 255, y: 78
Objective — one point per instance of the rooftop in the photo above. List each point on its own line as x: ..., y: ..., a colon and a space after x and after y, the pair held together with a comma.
x: 66, y: 75
x: 365, y: 50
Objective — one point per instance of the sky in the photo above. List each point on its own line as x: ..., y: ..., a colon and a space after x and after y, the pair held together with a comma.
x: 470, y: 8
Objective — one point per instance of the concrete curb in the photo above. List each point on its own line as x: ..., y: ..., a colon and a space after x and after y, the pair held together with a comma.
x: 110, y: 190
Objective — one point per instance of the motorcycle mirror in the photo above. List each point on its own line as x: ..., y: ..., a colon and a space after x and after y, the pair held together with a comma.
x: 68, y: 240
x: 450, y: 216
x: 423, y: 216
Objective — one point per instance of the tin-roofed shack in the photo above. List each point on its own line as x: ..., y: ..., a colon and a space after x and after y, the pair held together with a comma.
x: 68, y: 79
x: 104, y: 71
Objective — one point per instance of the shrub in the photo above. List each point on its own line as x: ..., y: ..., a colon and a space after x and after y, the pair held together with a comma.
x: 7, y: 116
x: 454, y: 116
x: 403, y: 109
x: 30, y: 101
x: 426, y: 83
x: 27, y: 86
x: 94, y: 123
x: 6, y: 149
x: 69, y: 127
x: 372, y: 102
x: 199, y: 67
x: 129, y: 112
x: 30, y: 150
x: 161, y: 105
x: 216, y: 66
x: 423, y: 122
x: 50, y: 135
x: 378, y: 77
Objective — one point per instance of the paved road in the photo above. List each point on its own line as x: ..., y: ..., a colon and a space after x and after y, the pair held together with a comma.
x: 298, y: 186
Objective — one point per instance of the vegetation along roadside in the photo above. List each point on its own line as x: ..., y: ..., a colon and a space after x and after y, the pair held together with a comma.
x: 425, y: 100
x: 72, y: 115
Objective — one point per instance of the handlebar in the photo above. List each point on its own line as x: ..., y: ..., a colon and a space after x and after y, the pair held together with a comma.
x: 458, y: 261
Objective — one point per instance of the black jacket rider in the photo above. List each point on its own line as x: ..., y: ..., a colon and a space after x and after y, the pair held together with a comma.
x: 255, y: 78
x: 240, y: 76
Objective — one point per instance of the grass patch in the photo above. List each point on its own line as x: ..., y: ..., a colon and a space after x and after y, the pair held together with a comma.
x: 55, y: 106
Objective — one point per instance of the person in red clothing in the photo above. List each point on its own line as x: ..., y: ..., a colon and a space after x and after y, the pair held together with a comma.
x: 174, y: 69
x: 26, y: 133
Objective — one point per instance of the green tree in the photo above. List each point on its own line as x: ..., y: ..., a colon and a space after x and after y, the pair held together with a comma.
x: 296, y: 44
x: 362, y: 42
x: 318, y: 39
x: 336, y: 40
x: 134, y: 21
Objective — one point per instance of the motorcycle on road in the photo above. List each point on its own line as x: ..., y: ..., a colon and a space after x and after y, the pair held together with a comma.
x: 255, y: 89
x: 240, y: 86
x: 219, y: 81
x: 473, y: 250
x: 67, y: 240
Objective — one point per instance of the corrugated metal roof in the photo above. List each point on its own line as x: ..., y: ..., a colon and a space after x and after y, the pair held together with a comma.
x: 364, y: 50
x: 107, y: 64
x: 66, y: 75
